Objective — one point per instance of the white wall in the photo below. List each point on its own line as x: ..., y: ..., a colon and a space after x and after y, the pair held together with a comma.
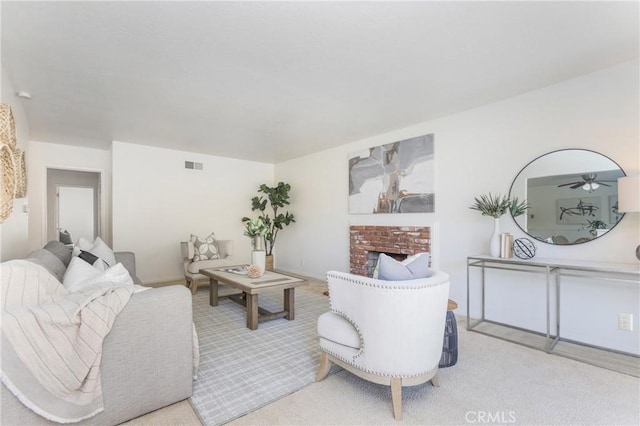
x: 14, y: 231
x: 479, y: 151
x: 157, y: 203
x: 43, y: 155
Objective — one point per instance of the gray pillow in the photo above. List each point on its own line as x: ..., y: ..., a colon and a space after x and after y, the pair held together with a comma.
x: 62, y: 251
x: 65, y: 237
x: 49, y: 261
x: 392, y: 270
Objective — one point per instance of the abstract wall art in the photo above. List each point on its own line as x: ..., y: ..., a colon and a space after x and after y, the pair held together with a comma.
x: 393, y: 178
x: 577, y: 210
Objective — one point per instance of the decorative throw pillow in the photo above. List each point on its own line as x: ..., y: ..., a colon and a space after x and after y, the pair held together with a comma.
x: 410, y: 269
x: 78, y: 271
x: 206, y: 249
x: 49, y: 261
x: 406, y: 261
x: 88, y: 257
x: 98, y: 248
x: 103, y: 251
x: 59, y: 249
x: 65, y: 237
x: 80, y: 275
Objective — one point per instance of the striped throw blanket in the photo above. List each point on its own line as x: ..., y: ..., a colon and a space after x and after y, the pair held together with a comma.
x: 52, y: 340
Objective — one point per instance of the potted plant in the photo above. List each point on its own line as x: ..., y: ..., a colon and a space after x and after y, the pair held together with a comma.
x: 596, y: 227
x: 496, y: 206
x: 277, y: 198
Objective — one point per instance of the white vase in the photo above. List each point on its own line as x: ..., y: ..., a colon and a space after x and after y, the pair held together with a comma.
x: 494, y: 242
x: 258, y: 257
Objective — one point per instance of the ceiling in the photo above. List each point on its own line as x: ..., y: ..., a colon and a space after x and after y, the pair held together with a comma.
x: 271, y: 81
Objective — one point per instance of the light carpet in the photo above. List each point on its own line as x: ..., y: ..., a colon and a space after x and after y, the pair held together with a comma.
x: 494, y: 382
x: 242, y: 370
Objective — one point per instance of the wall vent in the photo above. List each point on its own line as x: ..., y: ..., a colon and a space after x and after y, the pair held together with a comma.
x: 192, y: 165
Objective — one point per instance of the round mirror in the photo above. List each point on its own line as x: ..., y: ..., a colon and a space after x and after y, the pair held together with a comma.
x: 572, y: 194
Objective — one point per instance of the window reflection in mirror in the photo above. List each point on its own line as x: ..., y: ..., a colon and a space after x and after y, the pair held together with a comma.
x: 573, y: 194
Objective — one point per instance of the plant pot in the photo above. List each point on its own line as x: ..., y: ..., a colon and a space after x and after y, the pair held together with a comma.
x: 269, y: 262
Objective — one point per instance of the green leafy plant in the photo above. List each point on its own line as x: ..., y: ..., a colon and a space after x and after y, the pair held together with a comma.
x: 518, y: 208
x: 594, y: 225
x: 496, y: 206
x: 255, y: 227
x: 277, y: 197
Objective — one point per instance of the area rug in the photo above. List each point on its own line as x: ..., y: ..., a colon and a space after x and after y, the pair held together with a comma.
x: 242, y: 370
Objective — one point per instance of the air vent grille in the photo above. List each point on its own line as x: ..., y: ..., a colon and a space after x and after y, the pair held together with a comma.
x: 193, y: 165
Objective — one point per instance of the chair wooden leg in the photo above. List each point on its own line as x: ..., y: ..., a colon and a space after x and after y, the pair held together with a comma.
x: 396, y: 397
x: 193, y: 286
x: 435, y: 381
x: 325, y: 366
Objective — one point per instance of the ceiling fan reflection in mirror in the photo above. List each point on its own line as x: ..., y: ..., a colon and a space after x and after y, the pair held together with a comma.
x: 589, y: 183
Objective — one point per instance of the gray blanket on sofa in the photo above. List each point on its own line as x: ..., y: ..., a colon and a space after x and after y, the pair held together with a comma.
x: 52, y: 340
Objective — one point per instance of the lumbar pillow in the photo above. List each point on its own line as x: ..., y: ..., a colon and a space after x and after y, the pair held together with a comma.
x: 411, y: 268
x: 206, y: 249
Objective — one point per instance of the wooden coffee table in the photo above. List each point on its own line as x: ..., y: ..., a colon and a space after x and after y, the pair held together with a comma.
x: 251, y: 288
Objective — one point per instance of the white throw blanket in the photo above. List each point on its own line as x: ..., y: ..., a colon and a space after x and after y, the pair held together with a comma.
x: 52, y: 340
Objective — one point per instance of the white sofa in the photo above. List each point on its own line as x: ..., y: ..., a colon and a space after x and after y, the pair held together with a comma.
x: 147, y: 357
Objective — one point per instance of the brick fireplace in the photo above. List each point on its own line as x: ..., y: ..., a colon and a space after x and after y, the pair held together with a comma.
x: 367, y: 242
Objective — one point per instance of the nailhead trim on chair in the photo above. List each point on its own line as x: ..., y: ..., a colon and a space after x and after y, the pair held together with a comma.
x: 372, y: 282
x: 397, y: 285
x: 378, y: 373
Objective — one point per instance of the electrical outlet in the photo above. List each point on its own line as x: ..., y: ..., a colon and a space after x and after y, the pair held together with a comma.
x: 625, y: 322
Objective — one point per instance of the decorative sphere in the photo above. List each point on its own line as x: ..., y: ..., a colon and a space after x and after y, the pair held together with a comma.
x: 524, y: 248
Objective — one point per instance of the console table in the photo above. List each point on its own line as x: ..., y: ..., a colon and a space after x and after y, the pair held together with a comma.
x: 553, y: 271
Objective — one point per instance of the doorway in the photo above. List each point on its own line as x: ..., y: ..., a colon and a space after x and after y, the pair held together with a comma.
x: 73, y: 205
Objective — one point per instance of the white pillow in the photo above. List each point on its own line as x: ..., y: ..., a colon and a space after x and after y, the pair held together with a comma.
x: 77, y: 272
x: 80, y: 277
x: 98, y: 248
x: 84, y: 244
x: 405, y: 262
x: 103, y: 251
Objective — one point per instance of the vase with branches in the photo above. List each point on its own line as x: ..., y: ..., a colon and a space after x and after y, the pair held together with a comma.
x: 496, y: 206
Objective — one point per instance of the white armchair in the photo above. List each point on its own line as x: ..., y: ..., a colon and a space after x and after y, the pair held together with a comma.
x: 386, y: 332
x: 192, y: 269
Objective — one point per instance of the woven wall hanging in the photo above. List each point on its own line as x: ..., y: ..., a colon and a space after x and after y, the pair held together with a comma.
x: 7, y: 126
x: 9, y: 173
x: 8, y: 183
x: 21, y: 173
